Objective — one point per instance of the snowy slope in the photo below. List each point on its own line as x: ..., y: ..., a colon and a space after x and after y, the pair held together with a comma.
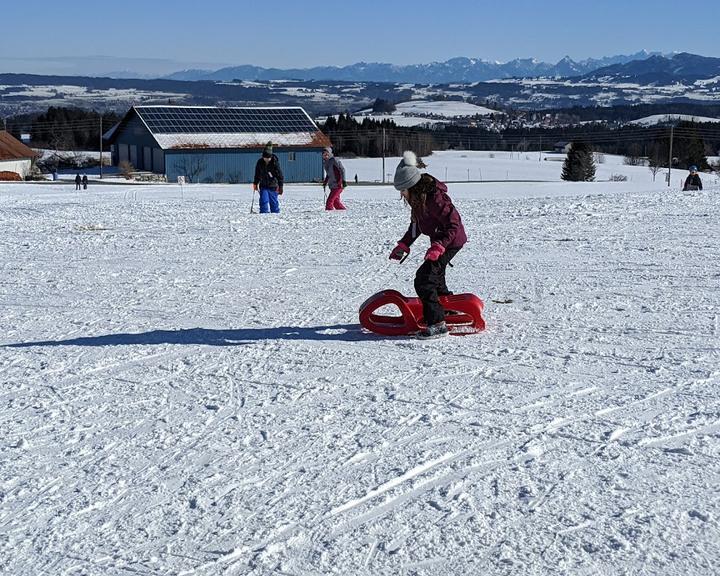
x: 427, y: 112
x: 664, y: 118
x: 185, y: 389
x: 443, y: 108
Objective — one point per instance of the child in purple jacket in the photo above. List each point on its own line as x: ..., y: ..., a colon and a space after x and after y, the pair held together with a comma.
x: 433, y: 214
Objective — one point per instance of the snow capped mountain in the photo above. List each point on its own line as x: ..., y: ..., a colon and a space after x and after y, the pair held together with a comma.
x: 520, y: 83
x: 458, y: 69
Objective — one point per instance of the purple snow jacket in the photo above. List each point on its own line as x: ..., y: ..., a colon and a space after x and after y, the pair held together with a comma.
x: 441, y: 221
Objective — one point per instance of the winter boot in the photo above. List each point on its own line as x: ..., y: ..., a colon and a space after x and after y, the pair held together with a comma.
x: 434, y: 331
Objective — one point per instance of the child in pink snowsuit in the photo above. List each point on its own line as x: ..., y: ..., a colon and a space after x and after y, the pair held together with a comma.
x: 334, y: 178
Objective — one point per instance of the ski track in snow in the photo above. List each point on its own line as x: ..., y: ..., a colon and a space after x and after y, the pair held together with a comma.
x: 186, y: 390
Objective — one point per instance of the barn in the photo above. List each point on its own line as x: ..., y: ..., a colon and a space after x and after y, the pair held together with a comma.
x: 217, y: 145
x: 15, y: 157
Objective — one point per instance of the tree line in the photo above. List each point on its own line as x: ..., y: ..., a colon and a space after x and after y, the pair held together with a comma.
x: 63, y: 128
x: 375, y: 138
x: 627, y: 113
x: 692, y: 143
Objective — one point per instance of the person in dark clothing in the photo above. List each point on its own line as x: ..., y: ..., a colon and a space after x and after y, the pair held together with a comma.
x: 693, y: 182
x: 78, y: 181
x: 433, y: 214
x: 84, y: 181
x: 268, y: 180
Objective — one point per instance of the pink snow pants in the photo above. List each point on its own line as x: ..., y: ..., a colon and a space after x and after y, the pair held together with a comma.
x: 333, y: 201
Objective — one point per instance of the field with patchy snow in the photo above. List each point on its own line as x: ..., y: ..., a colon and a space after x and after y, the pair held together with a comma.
x: 185, y: 388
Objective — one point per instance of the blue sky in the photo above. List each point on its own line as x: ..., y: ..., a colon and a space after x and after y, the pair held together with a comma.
x: 282, y: 33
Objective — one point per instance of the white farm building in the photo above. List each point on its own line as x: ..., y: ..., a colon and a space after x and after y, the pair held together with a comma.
x: 15, y: 157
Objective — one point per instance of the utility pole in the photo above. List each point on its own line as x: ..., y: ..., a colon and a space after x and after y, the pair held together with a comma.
x: 101, y: 146
x: 383, y: 154
x: 672, y: 129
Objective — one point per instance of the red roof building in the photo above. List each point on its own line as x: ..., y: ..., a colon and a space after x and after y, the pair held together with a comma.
x: 15, y: 157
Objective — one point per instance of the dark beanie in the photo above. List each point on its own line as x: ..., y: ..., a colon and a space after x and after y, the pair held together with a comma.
x: 267, y: 151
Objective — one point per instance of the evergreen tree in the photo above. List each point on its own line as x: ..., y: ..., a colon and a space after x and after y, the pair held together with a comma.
x: 579, y: 165
x: 383, y: 106
x: 690, y: 149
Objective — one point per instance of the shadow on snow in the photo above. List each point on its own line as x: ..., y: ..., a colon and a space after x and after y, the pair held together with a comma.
x: 208, y: 337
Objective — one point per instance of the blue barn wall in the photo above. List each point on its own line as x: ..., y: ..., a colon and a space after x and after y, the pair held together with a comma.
x: 234, y: 166
x: 136, y: 134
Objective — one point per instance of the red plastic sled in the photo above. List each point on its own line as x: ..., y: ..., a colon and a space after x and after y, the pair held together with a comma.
x: 463, y: 314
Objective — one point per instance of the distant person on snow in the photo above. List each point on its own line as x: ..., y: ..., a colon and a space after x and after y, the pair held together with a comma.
x: 334, y: 178
x: 693, y: 182
x: 84, y: 181
x: 268, y: 180
x: 78, y: 181
x: 433, y: 214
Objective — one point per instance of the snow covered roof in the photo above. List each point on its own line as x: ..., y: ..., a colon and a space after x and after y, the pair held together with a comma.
x: 12, y: 149
x: 241, y: 140
x: 192, y: 127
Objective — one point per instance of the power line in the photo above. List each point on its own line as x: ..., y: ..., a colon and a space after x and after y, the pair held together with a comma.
x: 47, y: 125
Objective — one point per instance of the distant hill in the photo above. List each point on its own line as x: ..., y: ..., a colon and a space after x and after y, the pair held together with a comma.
x: 683, y: 67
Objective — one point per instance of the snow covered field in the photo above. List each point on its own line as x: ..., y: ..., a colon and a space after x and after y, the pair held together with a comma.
x: 472, y: 165
x: 421, y: 112
x: 186, y: 390
x: 664, y: 118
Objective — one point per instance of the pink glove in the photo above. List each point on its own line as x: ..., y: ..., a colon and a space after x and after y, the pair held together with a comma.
x: 399, y: 251
x: 434, y: 252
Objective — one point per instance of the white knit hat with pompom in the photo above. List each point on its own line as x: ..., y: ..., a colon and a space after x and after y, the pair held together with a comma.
x: 407, y: 173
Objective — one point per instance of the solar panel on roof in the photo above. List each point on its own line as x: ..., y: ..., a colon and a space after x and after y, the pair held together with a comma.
x: 178, y: 120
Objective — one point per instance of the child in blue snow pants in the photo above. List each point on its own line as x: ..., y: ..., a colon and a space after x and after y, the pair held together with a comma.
x: 269, y: 201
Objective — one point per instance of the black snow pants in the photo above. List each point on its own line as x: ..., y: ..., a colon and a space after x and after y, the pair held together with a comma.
x: 430, y: 284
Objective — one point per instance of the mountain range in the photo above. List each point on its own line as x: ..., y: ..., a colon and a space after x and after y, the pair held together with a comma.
x: 454, y: 70
x: 522, y: 84
x: 682, y: 67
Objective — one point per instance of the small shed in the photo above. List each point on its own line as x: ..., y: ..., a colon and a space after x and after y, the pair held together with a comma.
x: 212, y: 144
x: 15, y: 157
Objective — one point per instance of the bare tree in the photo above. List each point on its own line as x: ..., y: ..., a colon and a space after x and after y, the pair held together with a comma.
x: 634, y: 156
x: 59, y: 141
x: 192, y: 166
x: 716, y: 168
x: 655, y: 161
x: 126, y: 169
